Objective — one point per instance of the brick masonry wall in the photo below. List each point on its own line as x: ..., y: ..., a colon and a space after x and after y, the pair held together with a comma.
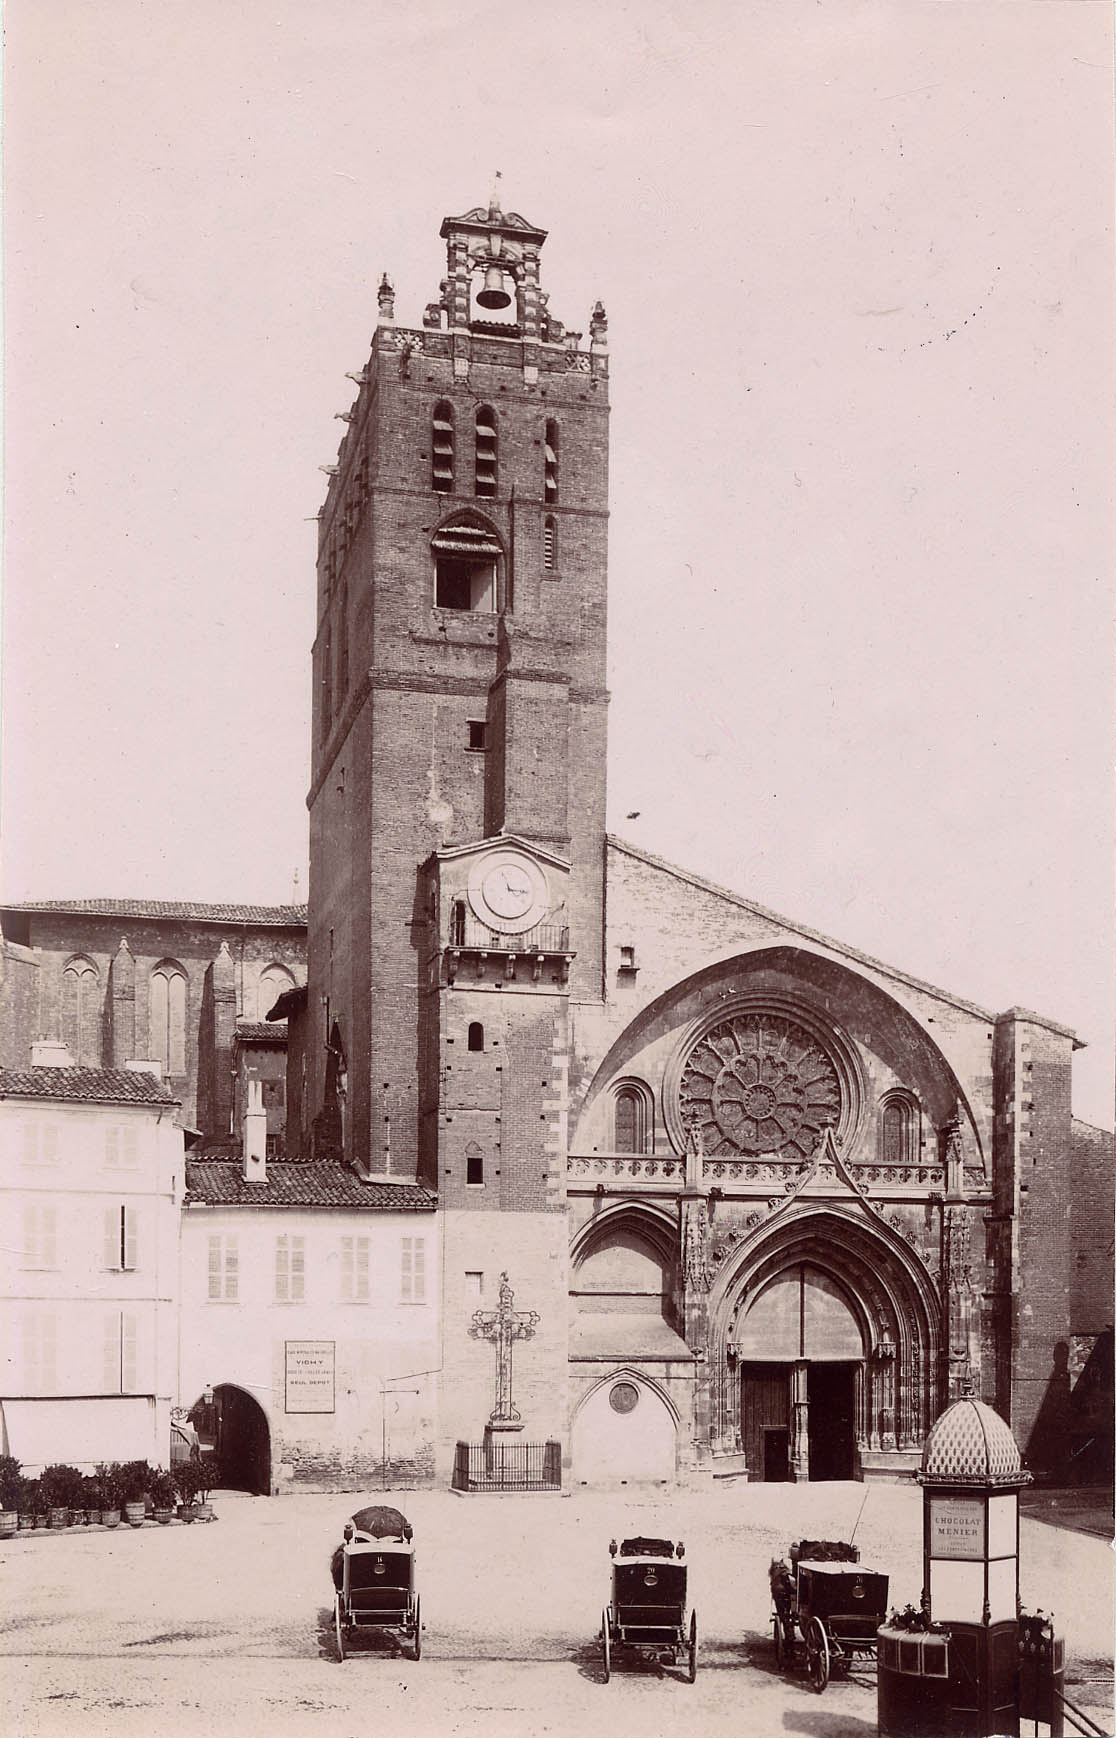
x: 1091, y: 1206
x: 58, y: 936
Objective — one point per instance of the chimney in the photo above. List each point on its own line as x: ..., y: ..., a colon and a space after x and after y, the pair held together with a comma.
x: 255, y: 1134
x: 50, y: 1053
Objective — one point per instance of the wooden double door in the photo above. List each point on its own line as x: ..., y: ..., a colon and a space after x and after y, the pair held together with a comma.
x: 768, y: 1423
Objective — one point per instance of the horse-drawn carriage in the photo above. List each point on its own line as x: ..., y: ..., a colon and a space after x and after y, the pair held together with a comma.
x: 647, y: 1613
x: 825, y: 1597
x: 374, y: 1578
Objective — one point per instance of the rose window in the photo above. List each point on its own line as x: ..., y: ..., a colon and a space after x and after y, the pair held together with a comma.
x: 759, y: 1083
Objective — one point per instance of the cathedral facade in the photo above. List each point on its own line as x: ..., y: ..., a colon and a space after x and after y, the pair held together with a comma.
x: 716, y: 1194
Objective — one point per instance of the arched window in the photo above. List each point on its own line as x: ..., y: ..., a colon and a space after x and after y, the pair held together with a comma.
x: 476, y: 1035
x: 485, y: 471
x: 442, y: 456
x: 550, y: 544
x: 550, y: 473
x: 631, y: 1119
x: 167, y: 1024
x: 898, y: 1130
x: 275, y: 981
x: 457, y: 923
x: 81, y: 1012
x: 468, y: 562
x: 474, y: 1164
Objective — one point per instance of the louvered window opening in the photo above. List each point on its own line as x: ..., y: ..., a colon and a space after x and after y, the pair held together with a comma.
x: 441, y: 478
x: 550, y: 479
x: 485, y: 475
x: 550, y: 546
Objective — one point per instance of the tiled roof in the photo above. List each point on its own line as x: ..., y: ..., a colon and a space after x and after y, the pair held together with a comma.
x: 293, y: 1183
x: 262, y: 1031
x: 279, y: 916
x: 85, y: 1085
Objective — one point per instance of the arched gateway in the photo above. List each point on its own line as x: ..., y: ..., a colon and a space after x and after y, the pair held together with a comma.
x: 823, y: 1339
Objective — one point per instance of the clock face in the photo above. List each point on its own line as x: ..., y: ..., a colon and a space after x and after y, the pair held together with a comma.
x: 508, y: 891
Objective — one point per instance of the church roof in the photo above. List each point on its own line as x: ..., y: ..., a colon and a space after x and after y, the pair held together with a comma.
x: 85, y: 1085
x: 971, y: 1444
x: 276, y: 916
x: 295, y: 1183
x: 838, y: 947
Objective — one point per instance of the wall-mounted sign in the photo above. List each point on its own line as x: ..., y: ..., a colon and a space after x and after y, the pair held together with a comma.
x: 957, y: 1527
x: 310, y: 1375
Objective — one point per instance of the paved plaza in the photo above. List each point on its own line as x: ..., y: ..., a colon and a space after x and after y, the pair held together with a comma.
x: 227, y: 1629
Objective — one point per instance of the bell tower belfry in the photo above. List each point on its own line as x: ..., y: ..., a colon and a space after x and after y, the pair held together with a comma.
x: 457, y: 794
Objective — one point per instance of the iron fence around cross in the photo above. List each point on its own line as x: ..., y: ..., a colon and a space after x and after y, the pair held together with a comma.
x: 498, y: 1464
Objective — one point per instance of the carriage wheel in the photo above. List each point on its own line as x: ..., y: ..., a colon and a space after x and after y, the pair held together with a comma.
x: 606, y: 1645
x: 339, y: 1629
x: 418, y: 1627
x: 817, y: 1654
x: 692, y: 1673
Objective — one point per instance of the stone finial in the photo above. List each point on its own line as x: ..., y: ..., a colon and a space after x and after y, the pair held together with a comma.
x: 598, y: 327
x: 385, y: 297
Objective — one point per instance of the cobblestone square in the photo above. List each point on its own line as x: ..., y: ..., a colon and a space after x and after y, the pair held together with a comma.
x: 227, y: 1629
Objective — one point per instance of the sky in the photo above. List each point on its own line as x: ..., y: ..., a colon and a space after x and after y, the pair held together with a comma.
x: 857, y: 261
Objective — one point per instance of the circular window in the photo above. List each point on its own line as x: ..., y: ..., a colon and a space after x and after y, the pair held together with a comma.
x: 758, y: 1082
x: 624, y: 1397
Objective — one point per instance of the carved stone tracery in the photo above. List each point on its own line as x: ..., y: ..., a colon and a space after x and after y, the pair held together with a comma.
x: 759, y: 1083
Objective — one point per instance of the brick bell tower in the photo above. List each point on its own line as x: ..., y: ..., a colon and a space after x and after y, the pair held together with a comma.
x: 457, y: 799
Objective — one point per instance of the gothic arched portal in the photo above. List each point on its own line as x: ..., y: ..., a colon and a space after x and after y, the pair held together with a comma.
x: 824, y: 1347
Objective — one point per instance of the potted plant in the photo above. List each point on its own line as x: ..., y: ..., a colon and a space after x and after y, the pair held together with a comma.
x: 108, y: 1477
x: 162, y: 1496
x: 188, y: 1479
x: 30, y: 1504
x: 135, y: 1482
x: 11, y: 1489
x: 209, y: 1479
x: 92, y: 1499
x: 61, y: 1489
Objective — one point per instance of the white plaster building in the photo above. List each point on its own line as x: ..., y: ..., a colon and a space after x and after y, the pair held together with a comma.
x: 91, y: 1175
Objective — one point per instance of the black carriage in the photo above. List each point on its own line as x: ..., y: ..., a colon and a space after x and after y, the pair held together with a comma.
x: 827, y: 1600
x: 374, y: 1579
x: 647, y: 1613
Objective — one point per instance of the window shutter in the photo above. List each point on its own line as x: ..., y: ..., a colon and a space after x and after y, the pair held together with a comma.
x: 30, y: 1143
x: 112, y: 1237
x: 346, y: 1269
x: 112, y: 1146
x: 128, y: 1353
x: 282, y: 1271
x: 214, y: 1267
x: 420, y: 1270
x: 128, y: 1237
x: 48, y: 1246
x: 112, y: 1353
x: 362, y: 1269
x: 298, y: 1269
x: 232, y: 1268
x: 128, y: 1155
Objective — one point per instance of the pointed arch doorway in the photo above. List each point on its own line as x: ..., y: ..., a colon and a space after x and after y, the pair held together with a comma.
x: 826, y: 1350
x: 800, y: 1350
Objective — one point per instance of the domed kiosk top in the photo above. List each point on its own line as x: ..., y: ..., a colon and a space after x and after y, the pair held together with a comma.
x: 971, y: 1445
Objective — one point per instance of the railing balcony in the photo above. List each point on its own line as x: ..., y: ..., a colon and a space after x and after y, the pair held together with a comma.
x: 497, y: 1464
x: 546, y: 943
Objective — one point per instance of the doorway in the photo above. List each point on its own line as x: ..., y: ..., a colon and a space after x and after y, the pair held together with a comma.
x: 233, y: 1430
x: 765, y: 1420
x: 831, y: 1391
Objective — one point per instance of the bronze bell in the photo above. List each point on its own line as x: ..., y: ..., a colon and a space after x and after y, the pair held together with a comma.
x: 494, y: 295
